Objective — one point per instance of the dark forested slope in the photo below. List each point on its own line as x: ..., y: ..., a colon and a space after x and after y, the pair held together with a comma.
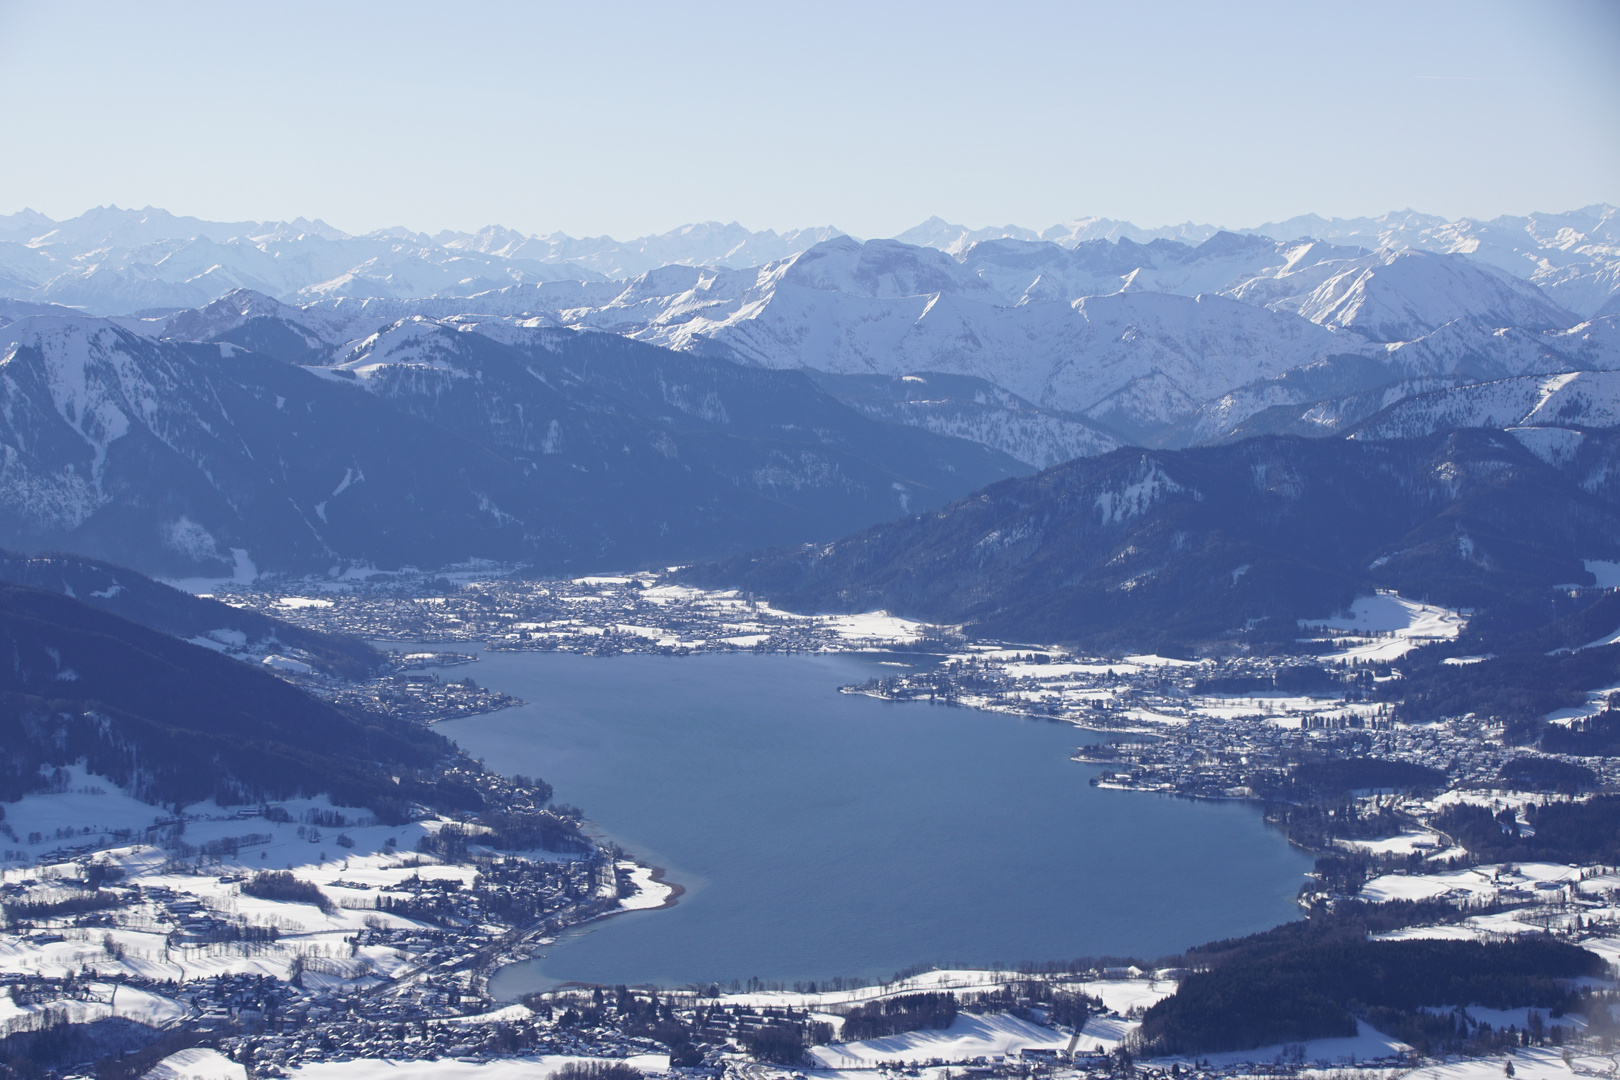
x: 1262, y: 996
x: 1141, y: 548
x: 138, y: 598
x: 176, y: 723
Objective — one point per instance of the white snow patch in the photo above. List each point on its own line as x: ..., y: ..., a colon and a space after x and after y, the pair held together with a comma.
x: 1392, y: 624
x: 514, y: 1068
x: 649, y: 893
x: 968, y: 1036
x: 198, y: 1063
x: 1367, y: 1044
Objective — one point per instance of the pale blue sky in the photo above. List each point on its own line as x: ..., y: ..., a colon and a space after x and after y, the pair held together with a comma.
x: 628, y: 118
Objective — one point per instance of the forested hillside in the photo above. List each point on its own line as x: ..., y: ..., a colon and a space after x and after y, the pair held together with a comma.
x: 177, y: 723
x: 1153, y: 549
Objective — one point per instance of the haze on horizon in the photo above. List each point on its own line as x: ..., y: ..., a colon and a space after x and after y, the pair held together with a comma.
x: 548, y: 117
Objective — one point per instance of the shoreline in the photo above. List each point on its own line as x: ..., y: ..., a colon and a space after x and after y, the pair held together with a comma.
x: 530, y: 952
x: 676, y: 889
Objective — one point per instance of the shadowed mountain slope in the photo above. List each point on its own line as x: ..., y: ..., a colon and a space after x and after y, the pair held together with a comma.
x: 138, y: 598
x: 1143, y: 549
x: 176, y: 723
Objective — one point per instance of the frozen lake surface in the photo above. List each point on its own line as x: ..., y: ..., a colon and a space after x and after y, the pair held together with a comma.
x: 821, y: 834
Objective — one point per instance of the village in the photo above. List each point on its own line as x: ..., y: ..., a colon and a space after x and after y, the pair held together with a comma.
x: 598, y: 616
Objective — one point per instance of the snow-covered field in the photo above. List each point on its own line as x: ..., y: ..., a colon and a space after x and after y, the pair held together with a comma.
x: 513, y: 1068
x: 1406, y: 843
x: 1389, y: 626
x: 355, y: 865
x: 198, y: 1063
x: 969, y: 1036
x: 1367, y: 1044
x: 1532, y: 1063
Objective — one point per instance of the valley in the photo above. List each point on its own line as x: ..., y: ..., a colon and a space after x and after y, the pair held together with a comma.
x: 883, y: 541
x: 388, y: 928
x: 941, y: 636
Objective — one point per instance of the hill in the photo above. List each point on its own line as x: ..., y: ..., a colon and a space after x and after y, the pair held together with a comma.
x: 176, y: 723
x: 201, y: 620
x: 1145, y: 549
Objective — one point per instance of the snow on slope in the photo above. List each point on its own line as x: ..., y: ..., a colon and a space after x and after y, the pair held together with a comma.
x: 969, y: 1036
x: 82, y: 378
x: 197, y: 1063
x: 1509, y: 350
x: 1573, y: 256
x: 1571, y: 400
x: 1386, y: 627
x: 1138, y: 336
x: 1401, y: 295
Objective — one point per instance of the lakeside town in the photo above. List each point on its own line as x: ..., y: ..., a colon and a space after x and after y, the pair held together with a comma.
x: 1178, y: 725
x: 289, y: 939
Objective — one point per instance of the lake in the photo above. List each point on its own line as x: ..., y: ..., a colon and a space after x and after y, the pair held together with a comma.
x: 821, y: 834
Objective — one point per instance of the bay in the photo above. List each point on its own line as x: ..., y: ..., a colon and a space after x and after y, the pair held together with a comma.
x: 820, y: 834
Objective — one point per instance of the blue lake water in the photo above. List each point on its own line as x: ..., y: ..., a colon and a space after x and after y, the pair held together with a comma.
x: 822, y: 834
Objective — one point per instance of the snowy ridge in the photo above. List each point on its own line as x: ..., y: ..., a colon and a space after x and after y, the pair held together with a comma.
x: 1194, y: 334
x: 1400, y: 295
x: 1574, y: 257
x: 110, y: 260
x: 70, y: 388
x: 1584, y: 399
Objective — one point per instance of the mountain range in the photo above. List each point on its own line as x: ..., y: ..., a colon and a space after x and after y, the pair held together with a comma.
x: 491, y: 396
x: 116, y: 261
x: 430, y: 442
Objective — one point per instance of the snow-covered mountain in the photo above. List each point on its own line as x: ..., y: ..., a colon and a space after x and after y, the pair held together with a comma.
x: 955, y: 239
x: 1099, y: 332
x: 1157, y: 343
x: 1137, y: 337
x: 116, y: 261
x: 1574, y: 257
x: 1570, y: 401
x: 429, y: 442
x: 1333, y: 395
